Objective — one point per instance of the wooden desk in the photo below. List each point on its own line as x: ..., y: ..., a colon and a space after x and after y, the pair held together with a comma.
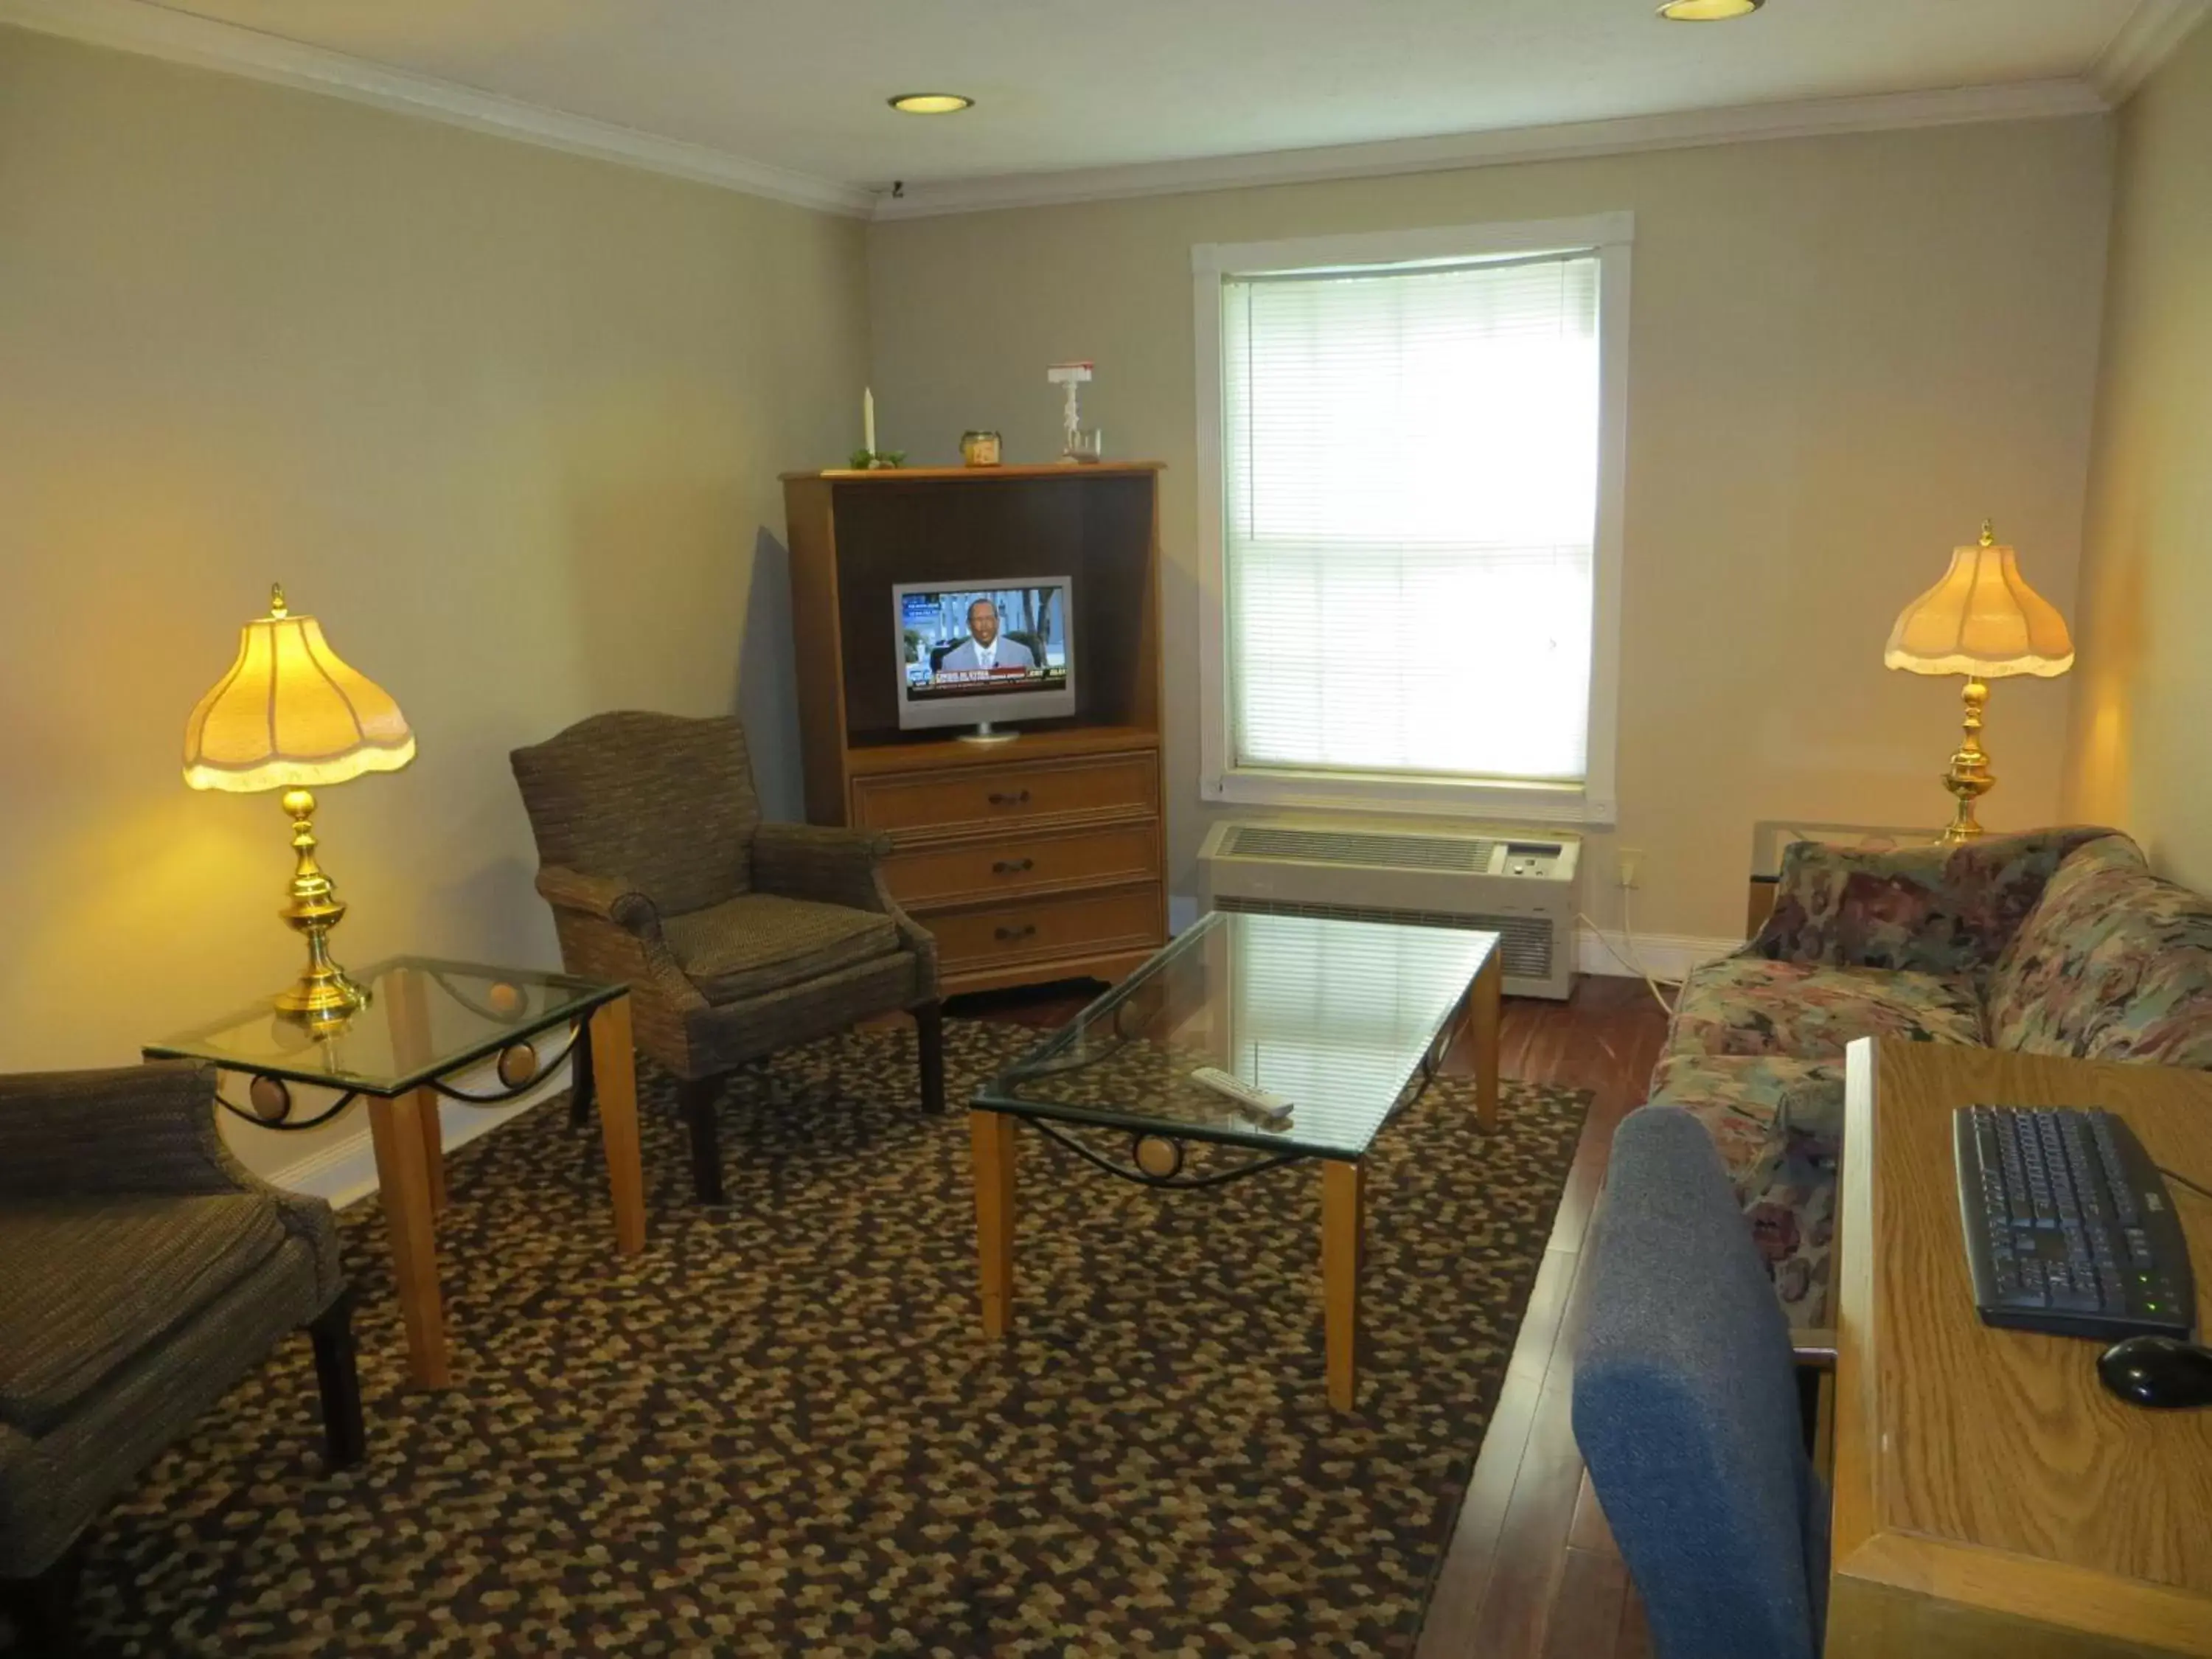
x: 1990, y: 1498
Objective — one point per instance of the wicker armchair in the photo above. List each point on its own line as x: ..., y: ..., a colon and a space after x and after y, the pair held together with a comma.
x: 736, y: 938
x: 146, y: 1271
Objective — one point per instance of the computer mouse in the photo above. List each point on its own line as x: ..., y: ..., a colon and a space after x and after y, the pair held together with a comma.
x: 2162, y: 1371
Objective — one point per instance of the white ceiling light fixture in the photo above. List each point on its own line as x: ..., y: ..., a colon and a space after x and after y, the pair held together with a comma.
x: 932, y: 103
x: 1707, y: 11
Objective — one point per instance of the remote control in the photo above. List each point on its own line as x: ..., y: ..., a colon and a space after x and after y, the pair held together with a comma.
x: 1274, y: 1109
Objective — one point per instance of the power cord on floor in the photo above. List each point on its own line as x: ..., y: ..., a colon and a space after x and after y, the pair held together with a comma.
x: 1630, y: 961
x: 2180, y: 1180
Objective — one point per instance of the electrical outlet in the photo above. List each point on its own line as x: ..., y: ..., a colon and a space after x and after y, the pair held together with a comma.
x: 1628, y: 867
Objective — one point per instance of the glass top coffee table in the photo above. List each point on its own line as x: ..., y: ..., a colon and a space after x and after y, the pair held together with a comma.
x: 425, y: 1021
x: 1347, y: 1020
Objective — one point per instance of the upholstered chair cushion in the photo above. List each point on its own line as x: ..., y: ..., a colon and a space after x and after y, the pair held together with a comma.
x: 92, y: 1282
x: 758, y: 943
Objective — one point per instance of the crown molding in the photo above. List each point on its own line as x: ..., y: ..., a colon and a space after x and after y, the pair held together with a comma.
x: 150, y: 30
x: 2146, y: 40
x: 2023, y: 101
x: 155, y: 31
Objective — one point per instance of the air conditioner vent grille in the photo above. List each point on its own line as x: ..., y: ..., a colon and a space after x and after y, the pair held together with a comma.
x: 1524, y: 943
x: 1358, y: 846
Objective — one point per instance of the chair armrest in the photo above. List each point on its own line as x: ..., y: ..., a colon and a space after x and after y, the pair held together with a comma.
x: 828, y: 865
x: 839, y: 866
x: 610, y: 898
x: 133, y: 1129
x: 1932, y: 909
x: 610, y: 930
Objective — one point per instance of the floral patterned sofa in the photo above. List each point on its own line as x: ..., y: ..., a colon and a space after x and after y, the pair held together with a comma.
x: 2058, y: 942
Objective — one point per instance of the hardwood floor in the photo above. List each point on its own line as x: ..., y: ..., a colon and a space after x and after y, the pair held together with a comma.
x: 1531, y: 1572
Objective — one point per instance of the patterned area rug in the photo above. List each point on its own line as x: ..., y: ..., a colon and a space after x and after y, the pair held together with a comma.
x: 780, y: 1431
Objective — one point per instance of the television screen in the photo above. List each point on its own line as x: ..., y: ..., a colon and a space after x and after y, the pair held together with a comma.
x: 981, y: 651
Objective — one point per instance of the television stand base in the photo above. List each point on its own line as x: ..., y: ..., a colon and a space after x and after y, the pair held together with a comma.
x: 985, y: 732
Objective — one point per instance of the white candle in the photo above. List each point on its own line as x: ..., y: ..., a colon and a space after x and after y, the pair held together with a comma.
x: 868, y: 421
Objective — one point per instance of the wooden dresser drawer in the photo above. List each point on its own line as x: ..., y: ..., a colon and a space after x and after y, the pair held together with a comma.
x: 1021, y: 861
x: 1072, y: 924
x: 1008, y: 793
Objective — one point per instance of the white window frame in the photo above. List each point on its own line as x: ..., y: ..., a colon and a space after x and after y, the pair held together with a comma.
x: 1593, y: 801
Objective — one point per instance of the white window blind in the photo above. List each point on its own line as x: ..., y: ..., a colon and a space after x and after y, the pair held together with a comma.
x: 1311, y: 1015
x: 1410, y: 478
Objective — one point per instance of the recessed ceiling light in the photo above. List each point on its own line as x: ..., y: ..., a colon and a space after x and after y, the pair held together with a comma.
x: 1707, y: 11
x: 931, y: 103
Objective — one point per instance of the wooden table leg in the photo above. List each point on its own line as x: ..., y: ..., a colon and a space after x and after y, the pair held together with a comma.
x: 1342, y: 1201
x: 991, y: 1138
x: 406, y: 998
x: 433, y: 1148
x: 405, y: 1179
x: 614, y: 1079
x: 1482, y: 1028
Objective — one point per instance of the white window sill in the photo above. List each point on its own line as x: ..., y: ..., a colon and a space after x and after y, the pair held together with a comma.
x: 1483, y: 798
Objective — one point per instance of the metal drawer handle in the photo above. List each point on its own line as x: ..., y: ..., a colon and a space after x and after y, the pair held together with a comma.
x: 1022, y: 932
x: 1019, y: 797
x: 1012, y: 866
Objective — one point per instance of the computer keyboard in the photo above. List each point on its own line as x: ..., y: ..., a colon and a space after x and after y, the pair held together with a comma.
x: 2069, y: 1225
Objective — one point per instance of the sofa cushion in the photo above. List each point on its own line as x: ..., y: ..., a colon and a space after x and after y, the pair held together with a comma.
x: 758, y: 943
x: 90, y: 1283
x: 1933, y: 909
x: 1757, y: 1107
x: 2114, y: 964
x: 1778, y: 1123
x: 1748, y: 1006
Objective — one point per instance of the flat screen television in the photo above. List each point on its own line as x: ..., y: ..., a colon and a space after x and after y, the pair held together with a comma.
x: 971, y: 653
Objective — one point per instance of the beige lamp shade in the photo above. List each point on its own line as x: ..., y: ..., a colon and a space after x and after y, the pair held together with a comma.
x: 1982, y: 619
x: 291, y: 714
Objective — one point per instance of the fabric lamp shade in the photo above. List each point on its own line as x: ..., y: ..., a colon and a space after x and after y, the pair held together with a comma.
x: 291, y: 714
x: 1982, y: 619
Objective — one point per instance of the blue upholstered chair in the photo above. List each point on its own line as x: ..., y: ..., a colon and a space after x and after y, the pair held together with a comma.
x: 1688, y: 1411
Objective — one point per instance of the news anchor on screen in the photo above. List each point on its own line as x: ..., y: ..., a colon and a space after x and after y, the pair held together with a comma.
x: 983, y: 650
x: 958, y: 664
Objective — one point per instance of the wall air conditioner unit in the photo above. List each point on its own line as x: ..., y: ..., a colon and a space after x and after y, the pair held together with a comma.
x: 1520, y: 886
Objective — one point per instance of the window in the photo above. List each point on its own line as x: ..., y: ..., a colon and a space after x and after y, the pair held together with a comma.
x: 1414, y: 443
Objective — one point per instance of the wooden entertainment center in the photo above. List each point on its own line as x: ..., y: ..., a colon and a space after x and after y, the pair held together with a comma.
x: 1033, y: 860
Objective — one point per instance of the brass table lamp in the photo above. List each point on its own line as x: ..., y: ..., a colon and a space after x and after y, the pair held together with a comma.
x: 1983, y: 621
x: 288, y: 714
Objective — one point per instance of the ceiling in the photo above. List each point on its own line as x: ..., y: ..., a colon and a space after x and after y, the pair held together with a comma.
x: 801, y: 85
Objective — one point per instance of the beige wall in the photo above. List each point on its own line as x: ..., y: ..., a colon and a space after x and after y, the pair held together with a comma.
x: 508, y: 421
x: 1845, y: 351
x: 2139, y: 756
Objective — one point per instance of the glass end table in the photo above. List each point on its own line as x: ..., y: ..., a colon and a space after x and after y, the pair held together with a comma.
x: 1347, y: 1020
x: 427, y: 1020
